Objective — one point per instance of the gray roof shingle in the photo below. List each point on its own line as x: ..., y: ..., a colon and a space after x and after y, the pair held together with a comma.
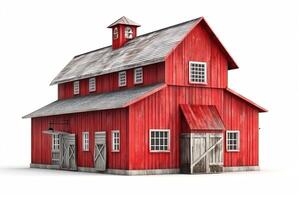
x: 94, y: 102
x: 143, y: 50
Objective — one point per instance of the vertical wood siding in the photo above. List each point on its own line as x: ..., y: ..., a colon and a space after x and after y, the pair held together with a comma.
x: 92, y: 122
x: 198, y: 45
x: 109, y: 82
x: 161, y: 111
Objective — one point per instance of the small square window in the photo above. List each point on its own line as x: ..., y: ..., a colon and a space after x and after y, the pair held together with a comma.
x: 197, y: 72
x: 122, y: 79
x: 76, y: 88
x: 159, y: 140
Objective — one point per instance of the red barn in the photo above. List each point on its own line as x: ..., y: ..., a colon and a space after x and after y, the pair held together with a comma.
x: 149, y: 104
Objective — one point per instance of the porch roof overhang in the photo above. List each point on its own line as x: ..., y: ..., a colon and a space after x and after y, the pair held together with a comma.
x: 201, y: 118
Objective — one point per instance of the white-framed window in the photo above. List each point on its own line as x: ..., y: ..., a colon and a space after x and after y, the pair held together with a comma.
x: 138, y: 75
x: 122, y: 79
x: 233, y: 140
x: 76, y: 88
x: 55, y: 142
x: 159, y: 140
x: 115, y: 138
x: 116, y: 33
x: 85, y: 141
x: 92, y: 84
x: 128, y: 32
x: 197, y: 72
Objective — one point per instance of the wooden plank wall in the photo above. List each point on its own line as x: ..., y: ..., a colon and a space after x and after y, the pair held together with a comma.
x: 109, y: 82
x: 161, y: 111
x: 92, y: 121
x: 197, y: 46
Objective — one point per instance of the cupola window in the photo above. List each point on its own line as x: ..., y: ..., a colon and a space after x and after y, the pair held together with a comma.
x: 128, y: 32
x: 116, y: 33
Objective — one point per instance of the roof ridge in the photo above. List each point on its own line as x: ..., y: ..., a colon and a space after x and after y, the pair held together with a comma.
x: 145, y: 34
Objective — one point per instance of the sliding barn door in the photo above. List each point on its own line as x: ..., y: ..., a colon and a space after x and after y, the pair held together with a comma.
x: 100, y: 151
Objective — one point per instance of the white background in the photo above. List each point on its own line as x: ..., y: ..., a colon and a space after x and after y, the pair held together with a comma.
x: 38, y: 38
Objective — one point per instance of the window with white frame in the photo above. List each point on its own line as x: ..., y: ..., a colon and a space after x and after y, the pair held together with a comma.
x: 138, y: 75
x: 92, y: 84
x: 232, y: 140
x: 159, y: 140
x: 197, y: 72
x: 76, y: 87
x: 55, y: 142
x: 115, y: 141
x: 122, y: 79
x: 128, y: 32
x: 85, y: 141
x: 116, y: 33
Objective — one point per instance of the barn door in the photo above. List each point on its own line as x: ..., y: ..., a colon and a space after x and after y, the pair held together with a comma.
x: 68, y: 159
x: 206, y: 153
x: 100, y: 151
x: 201, y: 153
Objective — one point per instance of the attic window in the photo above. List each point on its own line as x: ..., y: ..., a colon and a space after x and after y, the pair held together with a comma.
x: 197, y: 72
x: 76, y: 87
x: 116, y: 33
x: 232, y: 141
x: 122, y: 79
x: 92, y: 84
x: 128, y: 32
x: 138, y: 75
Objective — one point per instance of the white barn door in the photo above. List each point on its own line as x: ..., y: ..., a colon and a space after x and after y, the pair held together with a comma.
x: 100, y: 151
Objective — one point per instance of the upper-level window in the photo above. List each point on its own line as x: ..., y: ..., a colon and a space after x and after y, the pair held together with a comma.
x: 128, y: 32
x: 92, y: 84
x: 76, y: 88
x: 116, y: 33
x: 197, y: 72
x: 232, y: 140
x: 159, y: 140
x: 115, y: 140
x: 85, y: 141
x: 138, y: 75
x: 122, y: 79
x: 55, y: 142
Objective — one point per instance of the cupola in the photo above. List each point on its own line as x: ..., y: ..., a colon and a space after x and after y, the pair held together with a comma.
x: 123, y: 30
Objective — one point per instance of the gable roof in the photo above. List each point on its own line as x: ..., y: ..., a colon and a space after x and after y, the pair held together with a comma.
x: 202, y: 117
x: 260, y: 109
x: 143, y: 50
x: 105, y: 101
x: 124, y: 20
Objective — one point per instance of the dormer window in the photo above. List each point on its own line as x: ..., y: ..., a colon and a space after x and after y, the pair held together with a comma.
x: 92, y: 84
x: 116, y: 33
x: 76, y: 88
x: 128, y: 32
x: 122, y: 79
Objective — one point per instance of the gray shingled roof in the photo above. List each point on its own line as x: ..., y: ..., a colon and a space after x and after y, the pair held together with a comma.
x: 125, y: 21
x: 94, y: 102
x: 143, y: 50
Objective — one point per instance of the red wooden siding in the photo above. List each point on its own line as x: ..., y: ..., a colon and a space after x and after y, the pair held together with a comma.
x: 92, y: 122
x: 109, y: 82
x: 239, y: 115
x: 200, y: 46
x: 121, y: 40
x: 161, y: 111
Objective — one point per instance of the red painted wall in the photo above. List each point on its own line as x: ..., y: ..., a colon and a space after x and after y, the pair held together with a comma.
x: 197, y: 46
x: 161, y: 111
x: 92, y: 121
x: 109, y: 82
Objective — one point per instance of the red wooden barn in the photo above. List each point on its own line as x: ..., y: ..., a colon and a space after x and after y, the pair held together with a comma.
x: 148, y: 104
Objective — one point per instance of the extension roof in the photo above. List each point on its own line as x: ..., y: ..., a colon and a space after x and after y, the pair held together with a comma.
x: 96, y: 102
x: 143, y: 50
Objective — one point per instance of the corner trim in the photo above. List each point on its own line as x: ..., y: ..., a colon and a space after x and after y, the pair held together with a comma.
x: 241, y: 168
